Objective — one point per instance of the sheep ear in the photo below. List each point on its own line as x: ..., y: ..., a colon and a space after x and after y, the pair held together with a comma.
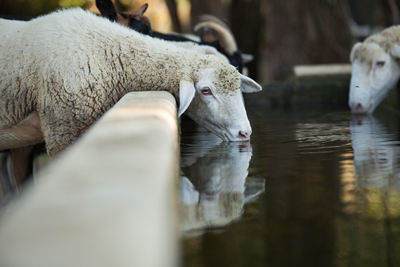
x: 395, y: 51
x: 142, y: 9
x: 353, y: 50
x: 247, y: 58
x: 138, y: 12
x: 249, y: 85
x: 186, y: 95
x: 107, y: 9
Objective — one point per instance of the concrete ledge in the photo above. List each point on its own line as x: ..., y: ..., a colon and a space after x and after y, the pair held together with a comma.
x: 323, y: 69
x: 318, y: 92
x: 109, y: 200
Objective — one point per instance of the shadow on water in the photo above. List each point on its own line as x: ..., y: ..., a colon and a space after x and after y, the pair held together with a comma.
x: 332, y: 192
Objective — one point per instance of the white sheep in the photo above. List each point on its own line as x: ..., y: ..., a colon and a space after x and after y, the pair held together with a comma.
x: 375, y: 69
x: 62, y: 71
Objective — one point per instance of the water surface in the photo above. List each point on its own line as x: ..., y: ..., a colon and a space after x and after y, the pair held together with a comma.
x: 314, y: 188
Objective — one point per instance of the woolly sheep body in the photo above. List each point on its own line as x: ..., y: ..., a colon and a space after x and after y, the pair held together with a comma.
x: 71, y: 66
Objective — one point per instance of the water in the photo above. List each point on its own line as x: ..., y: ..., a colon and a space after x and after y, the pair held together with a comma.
x: 314, y: 188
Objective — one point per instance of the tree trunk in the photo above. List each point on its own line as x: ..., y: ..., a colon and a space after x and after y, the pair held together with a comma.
x: 246, y: 22
x: 302, y: 32
x: 391, y: 12
x: 212, y: 7
x: 173, y: 12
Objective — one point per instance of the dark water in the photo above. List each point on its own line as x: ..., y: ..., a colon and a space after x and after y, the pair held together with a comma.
x: 314, y: 188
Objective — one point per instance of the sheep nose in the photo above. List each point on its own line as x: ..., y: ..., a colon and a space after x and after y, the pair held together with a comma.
x: 357, y: 108
x: 245, y: 135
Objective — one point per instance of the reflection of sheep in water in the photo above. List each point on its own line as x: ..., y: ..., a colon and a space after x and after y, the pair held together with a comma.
x: 376, y: 155
x: 213, y: 186
x: 64, y: 70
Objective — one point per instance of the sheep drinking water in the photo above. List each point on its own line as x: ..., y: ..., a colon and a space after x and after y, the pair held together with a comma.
x: 375, y: 69
x: 67, y: 68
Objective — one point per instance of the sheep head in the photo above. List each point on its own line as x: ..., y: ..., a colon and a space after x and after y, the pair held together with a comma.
x: 213, y: 98
x: 375, y: 71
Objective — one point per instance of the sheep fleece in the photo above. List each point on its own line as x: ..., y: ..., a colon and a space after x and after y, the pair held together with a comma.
x: 385, y: 39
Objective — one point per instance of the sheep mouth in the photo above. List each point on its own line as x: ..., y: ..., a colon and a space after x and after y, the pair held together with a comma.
x: 217, y: 130
x: 358, y: 109
x: 223, y: 132
x: 227, y: 137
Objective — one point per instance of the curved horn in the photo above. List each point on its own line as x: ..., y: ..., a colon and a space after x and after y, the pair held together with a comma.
x: 224, y: 36
x: 207, y: 17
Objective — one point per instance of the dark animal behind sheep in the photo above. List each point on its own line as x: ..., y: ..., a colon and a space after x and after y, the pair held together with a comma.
x: 138, y: 22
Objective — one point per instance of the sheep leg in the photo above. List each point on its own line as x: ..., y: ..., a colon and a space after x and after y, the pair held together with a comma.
x: 26, y: 133
x: 21, y: 163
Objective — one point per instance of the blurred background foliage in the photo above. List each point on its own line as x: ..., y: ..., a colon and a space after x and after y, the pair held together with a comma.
x: 69, y: 3
x: 280, y: 34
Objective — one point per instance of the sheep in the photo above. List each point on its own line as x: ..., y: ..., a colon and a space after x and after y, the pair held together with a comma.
x: 21, y: 163
x: 221, y: 37
x: 375, y: 70
x: 62, y: 71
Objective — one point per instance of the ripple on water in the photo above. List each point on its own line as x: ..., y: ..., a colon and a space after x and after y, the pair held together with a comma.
x: 332, y: 189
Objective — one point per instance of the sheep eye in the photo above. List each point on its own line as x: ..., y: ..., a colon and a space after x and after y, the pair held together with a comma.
x: 206, y: 91
x: 380, y: 64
